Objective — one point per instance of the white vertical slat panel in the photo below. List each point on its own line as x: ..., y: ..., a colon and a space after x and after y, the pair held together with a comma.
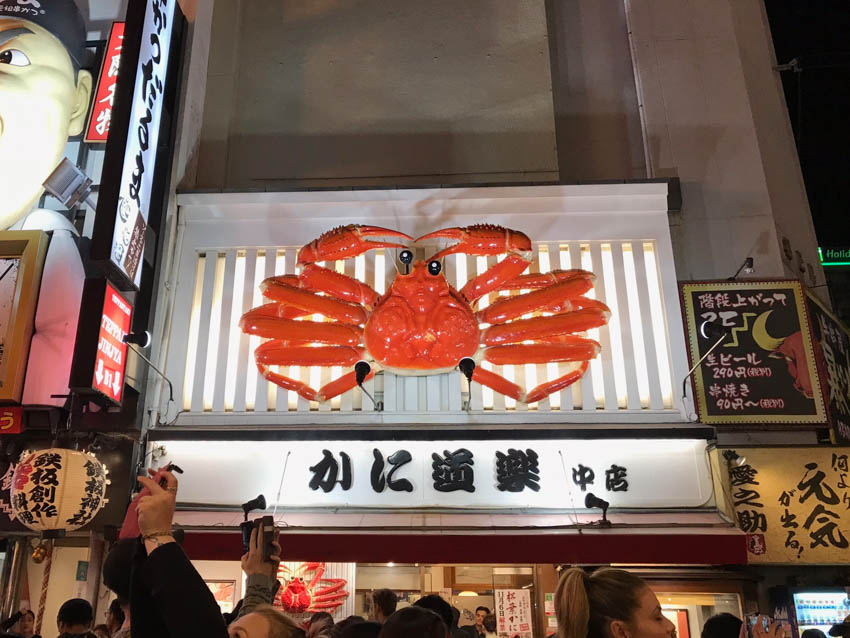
x: 498, y: 399
x: 476, y: 392
x: 346, y: 401
x: 604, y: 357
x: 652, y: 363
x: 633, y: 398
x: 286, y: 398
x: 521, y: 371
x: 545, y: 404
x: 657, y: 317
x: 203, y: 332
x: 371, y: 386
x: 224, y: 331
x: 456, y: 383
x: 187, y: 330
x: 245, y: 365
x: 393, y: 389
x: 588, y: 400
x: 261, y: 397
x: 556, y: 262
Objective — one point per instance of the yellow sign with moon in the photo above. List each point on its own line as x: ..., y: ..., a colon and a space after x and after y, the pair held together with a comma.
x: 757, y: 358
x: 793, y: 503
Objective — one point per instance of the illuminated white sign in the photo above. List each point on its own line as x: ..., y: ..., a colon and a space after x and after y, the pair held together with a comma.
x: 134, y: 195
x: 501, y: 474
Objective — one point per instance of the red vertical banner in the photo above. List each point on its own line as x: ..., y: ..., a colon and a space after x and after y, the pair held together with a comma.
x: 111, y: 359
x: 11, y: 420
x: 104, y: 97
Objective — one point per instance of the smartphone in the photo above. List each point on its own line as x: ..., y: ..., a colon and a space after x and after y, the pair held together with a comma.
x: 267, y: 535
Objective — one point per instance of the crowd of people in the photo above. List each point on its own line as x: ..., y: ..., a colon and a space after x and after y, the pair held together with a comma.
x: 161, y: 595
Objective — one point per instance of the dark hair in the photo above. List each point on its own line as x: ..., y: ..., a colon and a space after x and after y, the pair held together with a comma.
x: 385, y: 600
x: 414, y: 622
x: 812, y: 633
x: 490, y: 623
x: 365, y: 629
x: 439, y: 606
x: 723, y: 625
x: 455, y: 618
x: 321, y: 615
x: 480, y: 607
x: 76, y: 611
x: 585, y: 604
x: 28, y: 612
x: 102, y: 628
x: 345, y: 623
x: 116, y: 611
x: 117, y: 566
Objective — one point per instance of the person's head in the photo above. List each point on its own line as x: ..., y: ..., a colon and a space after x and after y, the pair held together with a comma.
x: 27, y: 622
x: 117, y: 567
x: 841, y: 629
x: 44, y: 98
x: 489, y: 623
x: 385, y: 603
x: 414, y: 622
x: 723, y: 625
x: 813, y: 633
x: 264, y: 622
x: 75, y: 616
x: 610, y: 603
x: 365, y: 629
x: 102, y: 631
x: 481, y: 613
x: 439, y: 606
x: 115, y: 615
x: 321, y: 617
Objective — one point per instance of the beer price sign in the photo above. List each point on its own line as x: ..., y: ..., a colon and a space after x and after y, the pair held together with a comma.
x: 108, y: 378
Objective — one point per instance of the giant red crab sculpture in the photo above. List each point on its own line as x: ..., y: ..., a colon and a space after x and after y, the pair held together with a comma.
x: 422, y: 325
x: 302, y: 594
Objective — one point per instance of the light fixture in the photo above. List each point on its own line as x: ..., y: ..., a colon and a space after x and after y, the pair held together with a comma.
x: 391, y: 564
x: 747, y: 267
x: 141, y: 339
x: 69, y: 184
x: 708, y: 330
x: 733, y: 458
x: 467, y: 593
x: 591, y: 501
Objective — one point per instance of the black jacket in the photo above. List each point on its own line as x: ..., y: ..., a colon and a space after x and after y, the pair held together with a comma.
x: 169, y: 599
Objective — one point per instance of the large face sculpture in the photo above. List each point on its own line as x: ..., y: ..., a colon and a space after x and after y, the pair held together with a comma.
x: 43, y: 101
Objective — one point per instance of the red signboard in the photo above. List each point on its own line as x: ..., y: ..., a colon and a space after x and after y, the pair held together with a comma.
x: 11, y: 420
x: 111, y: 357
x: 104, y: 98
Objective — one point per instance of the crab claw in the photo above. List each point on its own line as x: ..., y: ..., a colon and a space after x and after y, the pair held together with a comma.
x: 348, y: 241
x: 481, y: 239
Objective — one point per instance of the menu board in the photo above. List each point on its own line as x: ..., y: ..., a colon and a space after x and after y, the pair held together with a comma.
x: 764, y: 369
x: 793, y: 504
x: 832, y: 354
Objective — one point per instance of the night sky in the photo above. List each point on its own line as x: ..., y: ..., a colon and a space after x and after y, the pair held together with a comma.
x: 817, y: 34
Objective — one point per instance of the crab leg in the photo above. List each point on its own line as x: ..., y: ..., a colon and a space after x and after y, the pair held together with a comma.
x: 535, y: 280
x: 568, y: 348
x: 501, y: 385
x: 326, y: 392
x: 487, y: 239
x: 318, y: 279
x: 347, y: 241
x: 289, y: 332
x: 542, y: 328
x: 276, y: 290
x: 512, y: 307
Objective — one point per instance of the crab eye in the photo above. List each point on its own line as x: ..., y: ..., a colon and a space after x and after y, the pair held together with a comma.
x: 434, y: 267
x: 406, y: 257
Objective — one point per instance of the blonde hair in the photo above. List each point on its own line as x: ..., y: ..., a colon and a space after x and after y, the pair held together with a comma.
x: 586, y: 604
x: 280, y: 625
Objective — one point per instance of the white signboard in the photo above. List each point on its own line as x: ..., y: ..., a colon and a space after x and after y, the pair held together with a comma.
x: 464, y: 474
x: 134, y: 194
x: 513, y: 613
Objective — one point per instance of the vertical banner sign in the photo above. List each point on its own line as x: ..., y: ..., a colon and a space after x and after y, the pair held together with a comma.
x: 11, y: 420
x: 111, y: 359
x: 97, y: 130
x: 513, y: 613
x: 794, y: 504
x: 832, y: 353
x: 764, y: 369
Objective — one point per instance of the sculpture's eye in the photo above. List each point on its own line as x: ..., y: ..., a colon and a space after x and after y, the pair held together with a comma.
x: 434, y: 267
x: 406, y: 257
x: 14, y: 57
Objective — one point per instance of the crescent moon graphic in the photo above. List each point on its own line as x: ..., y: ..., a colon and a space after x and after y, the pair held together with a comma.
x: 761, y: 336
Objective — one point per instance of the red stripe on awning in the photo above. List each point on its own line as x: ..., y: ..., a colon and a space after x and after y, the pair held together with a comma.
x: 658, y: 548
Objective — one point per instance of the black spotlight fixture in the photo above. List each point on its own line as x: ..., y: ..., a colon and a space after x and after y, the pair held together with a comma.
x: 733, y: 458
x: 246, y: 526
x: 258, y: 503
x: 591, y: 502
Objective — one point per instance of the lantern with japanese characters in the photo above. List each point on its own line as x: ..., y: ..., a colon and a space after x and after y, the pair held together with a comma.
x: 58, y: 489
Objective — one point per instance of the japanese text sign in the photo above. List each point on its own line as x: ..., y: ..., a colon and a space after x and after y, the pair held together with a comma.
x: 104, y: 97
x: 794, y: 504
x: 135, y: 195
x: 555, y: 474
x: 111, y: 359
x: 513, y: 613
x: 832, y: 353
x: 764, y: 369
x: 11, y: 420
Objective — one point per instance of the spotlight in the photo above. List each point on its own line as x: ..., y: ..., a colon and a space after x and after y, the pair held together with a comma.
x: 258, y: 503
x: 141, y: 339
x: 710, y: 330
x: 733, y: 458
x: 747, y: 267
x: 591, y: 501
